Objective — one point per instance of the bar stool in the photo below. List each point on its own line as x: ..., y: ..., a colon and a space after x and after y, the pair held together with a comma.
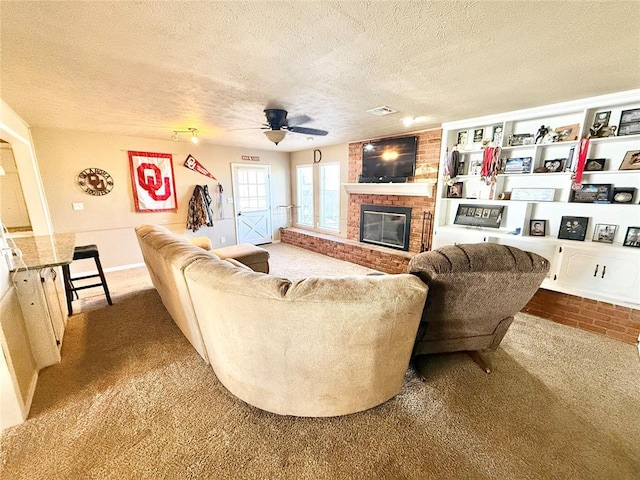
x: 81, y: 253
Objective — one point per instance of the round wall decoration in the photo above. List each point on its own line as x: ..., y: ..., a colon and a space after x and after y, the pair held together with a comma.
x: 95, y: 181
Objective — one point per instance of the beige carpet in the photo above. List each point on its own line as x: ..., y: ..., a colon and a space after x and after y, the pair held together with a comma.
x: 132, y: 399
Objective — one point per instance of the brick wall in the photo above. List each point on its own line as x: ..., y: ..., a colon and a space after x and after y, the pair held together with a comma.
x: 427, y: 161
x: 621, y: 323
x: 372, y: 256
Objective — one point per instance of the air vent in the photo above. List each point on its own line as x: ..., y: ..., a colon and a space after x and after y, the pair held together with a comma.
x: 382, y: 111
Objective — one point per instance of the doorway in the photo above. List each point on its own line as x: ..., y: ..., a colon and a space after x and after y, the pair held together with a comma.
x: 252, y: 199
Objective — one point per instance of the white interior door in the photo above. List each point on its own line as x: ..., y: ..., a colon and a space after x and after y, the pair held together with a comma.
x: 252, y: 199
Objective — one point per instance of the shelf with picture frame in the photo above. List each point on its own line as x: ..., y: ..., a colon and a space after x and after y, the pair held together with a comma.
x: 615, y: 151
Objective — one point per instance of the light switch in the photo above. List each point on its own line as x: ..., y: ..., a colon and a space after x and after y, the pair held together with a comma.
x: 78, y: 205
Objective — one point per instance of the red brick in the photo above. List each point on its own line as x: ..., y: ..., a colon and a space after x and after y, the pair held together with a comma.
x: 592, y: 328
x: 633, y: 340
x: 610, y: 326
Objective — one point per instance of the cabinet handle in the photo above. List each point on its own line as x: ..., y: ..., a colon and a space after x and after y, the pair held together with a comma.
x: 596, y: 272
x: 604, y: 270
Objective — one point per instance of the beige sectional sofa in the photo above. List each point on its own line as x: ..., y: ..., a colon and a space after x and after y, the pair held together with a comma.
x: 313, y: 347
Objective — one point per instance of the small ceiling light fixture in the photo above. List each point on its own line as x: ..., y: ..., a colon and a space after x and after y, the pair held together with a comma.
x: 368, y: 147
x: 408, y: 121
x: 193, y: 131
x: 275, y: 136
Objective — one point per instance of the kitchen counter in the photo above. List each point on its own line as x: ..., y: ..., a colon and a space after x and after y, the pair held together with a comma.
x: 44, y: 251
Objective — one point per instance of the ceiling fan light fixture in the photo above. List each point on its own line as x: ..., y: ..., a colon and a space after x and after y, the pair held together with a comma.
x: 275, y: 136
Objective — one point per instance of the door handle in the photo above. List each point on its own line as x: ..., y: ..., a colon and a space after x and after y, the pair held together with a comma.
x: 604, y: 270
x: 596, y: 272
x: 239, y: 214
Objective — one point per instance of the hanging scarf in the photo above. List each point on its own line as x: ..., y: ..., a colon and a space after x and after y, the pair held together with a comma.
x: 219, y: 204
x: 576, y: 178
x: 490, y: 165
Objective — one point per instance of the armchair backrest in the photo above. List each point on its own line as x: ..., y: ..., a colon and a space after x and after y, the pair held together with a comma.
x: 473, y: 289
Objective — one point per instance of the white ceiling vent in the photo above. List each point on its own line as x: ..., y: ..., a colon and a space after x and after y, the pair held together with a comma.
x: 382, y: 111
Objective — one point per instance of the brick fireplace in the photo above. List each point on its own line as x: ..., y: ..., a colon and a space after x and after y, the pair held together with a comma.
x: 378, y: 257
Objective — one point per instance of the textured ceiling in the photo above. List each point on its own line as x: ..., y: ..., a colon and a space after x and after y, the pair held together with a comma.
x: 147, y: 68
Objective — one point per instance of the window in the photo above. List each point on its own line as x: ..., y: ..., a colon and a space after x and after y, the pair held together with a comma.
x: 329, y: 193
x: 304, y: 174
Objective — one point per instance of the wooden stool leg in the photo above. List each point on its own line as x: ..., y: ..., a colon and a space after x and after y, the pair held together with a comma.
x: 104, y: 280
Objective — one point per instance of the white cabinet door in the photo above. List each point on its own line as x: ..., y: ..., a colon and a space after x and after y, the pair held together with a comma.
x: 615, y: 275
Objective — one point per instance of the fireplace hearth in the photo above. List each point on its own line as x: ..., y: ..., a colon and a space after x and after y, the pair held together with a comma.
x: 387, y: 226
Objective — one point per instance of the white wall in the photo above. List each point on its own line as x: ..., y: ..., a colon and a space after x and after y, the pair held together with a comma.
x: 331, y: 154
x: 109, y: 220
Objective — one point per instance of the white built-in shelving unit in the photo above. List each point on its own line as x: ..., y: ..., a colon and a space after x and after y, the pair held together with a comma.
x: 602, y: 271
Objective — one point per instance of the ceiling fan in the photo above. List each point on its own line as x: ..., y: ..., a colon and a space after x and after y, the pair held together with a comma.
x: 278, y: 125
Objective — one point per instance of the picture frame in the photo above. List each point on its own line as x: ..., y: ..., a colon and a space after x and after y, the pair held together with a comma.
x: 631, y: 161
x: 496, y: 134
x: 479, y: 215
x: 632, y: 237
x: 554, y: 166
x: 604, y: 233
x: 537, y: 228
x: 455, y: 190
x: 623, y: 195
x: 478, y: 133
x: 592, y: 193
x: 518, y: 165
x: 568, y: 133
x: 629, y: 122
x: 600, y: 121
x: 595, y: 164
x: 573, y: 228
x: 518, y: 139
x: 462, y: 138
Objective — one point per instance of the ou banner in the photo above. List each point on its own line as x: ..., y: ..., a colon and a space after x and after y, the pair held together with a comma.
x: 154, y: 186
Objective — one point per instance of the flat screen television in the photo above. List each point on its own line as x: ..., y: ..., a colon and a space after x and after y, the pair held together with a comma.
x: 387, y: 161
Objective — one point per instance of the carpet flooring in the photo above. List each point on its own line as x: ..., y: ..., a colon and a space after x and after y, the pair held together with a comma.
x: 131, y: 399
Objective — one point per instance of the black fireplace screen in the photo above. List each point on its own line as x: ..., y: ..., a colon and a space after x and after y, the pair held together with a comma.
x: 386, y: 226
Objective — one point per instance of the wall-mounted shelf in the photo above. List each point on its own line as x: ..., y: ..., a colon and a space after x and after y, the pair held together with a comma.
x: 416, y: 189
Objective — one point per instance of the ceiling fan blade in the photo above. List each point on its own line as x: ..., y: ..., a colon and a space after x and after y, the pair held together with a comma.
x: 307, y: 131
x: 298, y: 120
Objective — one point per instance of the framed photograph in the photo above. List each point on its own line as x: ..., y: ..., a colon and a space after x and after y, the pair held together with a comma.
x: 462, y: 138
x: 632, y: 238
x: 455, y: 190
x: 568, y: 133
x: 623, y: 195
x: 475, y: 167
x: 496, y: 134
x: 553, y: 166
x: 479, y: 215
x: 518, y: 139
x: 595, y: 164
x: 154, y: 187
x: 518, y: 165
x: 478, y: 133
x: 600, y: 121
x: 631, y: 160
x: 629, y: 122
x: 573, y: 228
x: 592, y: 193
x: 604, y: 233
x: 537, y: 228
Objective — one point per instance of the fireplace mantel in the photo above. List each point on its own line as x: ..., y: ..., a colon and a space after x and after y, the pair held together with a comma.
x: 416, y: 189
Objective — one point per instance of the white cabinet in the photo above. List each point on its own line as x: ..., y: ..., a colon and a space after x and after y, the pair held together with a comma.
x: 593, y: 273
x: 514, y: 133
x: 42, y: 301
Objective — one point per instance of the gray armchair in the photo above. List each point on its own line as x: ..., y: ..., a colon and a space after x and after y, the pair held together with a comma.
x: 474, y: 292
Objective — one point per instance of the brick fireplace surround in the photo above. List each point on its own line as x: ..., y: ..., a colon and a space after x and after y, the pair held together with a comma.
x: 614, y: 321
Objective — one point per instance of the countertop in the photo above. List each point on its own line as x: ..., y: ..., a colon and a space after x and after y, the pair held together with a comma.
x: 44, y: 251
